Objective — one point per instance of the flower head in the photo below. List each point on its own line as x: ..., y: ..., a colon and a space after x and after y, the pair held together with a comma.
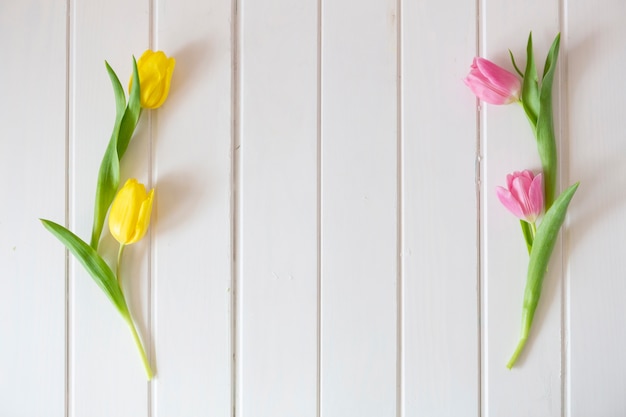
x: 523, y: 196
x: 130, y: 212
x: 493, y: 84
x: 155, y: 73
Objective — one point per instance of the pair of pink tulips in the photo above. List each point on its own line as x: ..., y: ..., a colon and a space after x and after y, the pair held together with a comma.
x: 493, y: 84
x: 528, y: 195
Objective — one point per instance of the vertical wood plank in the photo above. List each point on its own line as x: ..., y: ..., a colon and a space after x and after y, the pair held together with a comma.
x: 440, y: 269
x: 32, y: 184
x: 192, y: 143
x: 359, y: 218
x: 277, y: 251
x: 104, y: 362
x: 533, y: 387
x: 596, y: 61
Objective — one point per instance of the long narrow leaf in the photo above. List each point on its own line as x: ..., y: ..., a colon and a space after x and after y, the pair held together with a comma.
x: 93, y: 263
x: 515, y: 64
x: 540, y: 254
x: 109, y: 173
x: 546, y: 141
x: 118, y: 92
x: 131, y: 116
x: 530, y: 88
x: 108, y: 181
x: 543, y: 246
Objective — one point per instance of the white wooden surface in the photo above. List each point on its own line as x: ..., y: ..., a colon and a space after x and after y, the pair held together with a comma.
x: 326, y: 239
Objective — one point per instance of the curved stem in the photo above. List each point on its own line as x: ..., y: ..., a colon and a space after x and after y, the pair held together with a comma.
x: 142, y: 351
x: 130, y: 322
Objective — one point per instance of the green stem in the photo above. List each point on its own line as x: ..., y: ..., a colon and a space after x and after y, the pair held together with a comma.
x: 527, y: 320
x: 120, y: 252
x: 129, y: 320
x: 518, y: 350
x: 142, y: 351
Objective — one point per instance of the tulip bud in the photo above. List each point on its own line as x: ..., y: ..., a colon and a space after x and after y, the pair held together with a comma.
x: 155, y: 73
x: 523, y: 196
x: 491, y: 83
x: 130, y: 212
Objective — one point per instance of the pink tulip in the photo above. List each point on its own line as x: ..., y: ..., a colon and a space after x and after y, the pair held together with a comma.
x: 493, y: 84
x: 524, y: 196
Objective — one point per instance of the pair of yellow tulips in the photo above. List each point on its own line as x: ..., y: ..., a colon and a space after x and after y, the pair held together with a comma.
x: 129, y: 208
x: 130, y: 212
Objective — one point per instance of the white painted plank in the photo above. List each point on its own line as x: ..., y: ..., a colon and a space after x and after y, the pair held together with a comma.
x: 596, y: 61
x: 277, y: 300
x: 104, y: 363
x: 359, y: 218
x: 32, y: 185
x: 533, y: 387
x: 192, y: 224
x: 440, y: 323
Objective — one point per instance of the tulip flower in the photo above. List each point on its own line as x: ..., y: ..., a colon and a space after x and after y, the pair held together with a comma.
x: 523, y: 196
x: 128, y: 222
x: 155, y: 73
x: 130, y: 212
x: 492, y: 83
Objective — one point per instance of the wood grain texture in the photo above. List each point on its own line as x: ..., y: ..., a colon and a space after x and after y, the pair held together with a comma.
x: 440, y: 293
x: 359, y: 219
x: 192, y: 258
x: 277, y: 257
x: 326, y: 238
x: 32, y: 185
x: 597, y: 224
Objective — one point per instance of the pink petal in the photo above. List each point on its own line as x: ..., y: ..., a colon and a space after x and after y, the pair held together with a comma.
x: 520, y: 188
x: 508, y: 201
x: 484, y: 91
x: 535, y: 195
x: 500, y: 79
x: 527, y: 173
x: 510, y: 178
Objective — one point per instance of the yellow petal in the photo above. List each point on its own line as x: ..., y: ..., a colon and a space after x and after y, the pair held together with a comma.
x: 143, y: 221
x: 125, y: 211
x: 155, y: 75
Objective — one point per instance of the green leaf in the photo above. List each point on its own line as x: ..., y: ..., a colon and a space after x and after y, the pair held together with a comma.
x: 108, y: 181
x: 109, y: 173
x: 530, y: 87
x: 118, y: 91
x: 131, y: 116
x: 552, y: 56
x: 540, y: 254
x: 546, y: 141
x: 528, y: 234
x: 93, y: 263
x: 126, y: 120
x: 515, y: 64
x: 543, y: 245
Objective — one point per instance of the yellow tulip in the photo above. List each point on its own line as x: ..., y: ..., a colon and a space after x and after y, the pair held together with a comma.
x: 130, y: 212
x: 155, y: 73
